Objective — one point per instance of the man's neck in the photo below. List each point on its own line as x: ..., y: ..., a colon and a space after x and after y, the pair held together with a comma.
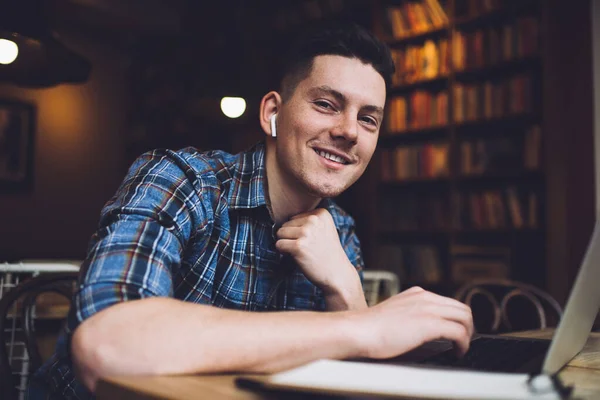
x: 285, y: 196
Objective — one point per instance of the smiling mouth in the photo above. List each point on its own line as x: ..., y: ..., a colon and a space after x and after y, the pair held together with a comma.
x: 331, y: 157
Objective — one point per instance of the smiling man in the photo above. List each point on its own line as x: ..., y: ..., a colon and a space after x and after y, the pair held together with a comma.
x: 194, y: 244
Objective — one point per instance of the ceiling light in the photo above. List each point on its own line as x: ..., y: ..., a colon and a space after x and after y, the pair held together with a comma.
x: 8, y: 51
x: 233, y: 107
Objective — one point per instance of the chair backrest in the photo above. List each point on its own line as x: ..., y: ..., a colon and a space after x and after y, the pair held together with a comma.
x: 503, y: 306
x: 13, y: 323
x: 379, y: 285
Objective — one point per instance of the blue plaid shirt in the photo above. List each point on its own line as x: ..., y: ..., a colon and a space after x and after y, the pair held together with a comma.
x: 196, y: 227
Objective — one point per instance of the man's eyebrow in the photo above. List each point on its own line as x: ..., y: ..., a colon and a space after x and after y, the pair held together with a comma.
x: 374, y: 109
x: 339, y: 96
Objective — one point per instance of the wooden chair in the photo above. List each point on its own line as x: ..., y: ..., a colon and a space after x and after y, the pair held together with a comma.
x: 17, y: 314
x: 503, y: 306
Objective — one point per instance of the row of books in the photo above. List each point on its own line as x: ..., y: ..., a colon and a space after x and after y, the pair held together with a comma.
x: 421, y: 264
x: 496, y: 209
x: 507, y: 208
x: 412, y: 263
x: 420, y: 109
x: 502, y: 154
x: 414, y: 17
x: 410, y: 162
x: 492, y: 99
x: 412, y: 211
x: 494, y: 45
x: 468, y: 263
x: 487, y: 100
x: 474, y: 8
x: 421, y: 62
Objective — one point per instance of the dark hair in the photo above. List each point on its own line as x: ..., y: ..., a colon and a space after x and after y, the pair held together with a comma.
x: 345, y: 39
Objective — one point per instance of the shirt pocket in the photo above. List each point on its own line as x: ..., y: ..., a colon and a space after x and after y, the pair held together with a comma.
x: 232, y: 278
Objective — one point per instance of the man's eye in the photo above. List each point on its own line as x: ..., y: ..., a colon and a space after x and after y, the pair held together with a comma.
x: 370, y: 120
x: 324, y: 104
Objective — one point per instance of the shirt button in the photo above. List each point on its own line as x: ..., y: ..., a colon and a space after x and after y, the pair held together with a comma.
x: 166, y: 222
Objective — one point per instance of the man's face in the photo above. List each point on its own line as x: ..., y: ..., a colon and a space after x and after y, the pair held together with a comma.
x: 328, y: 129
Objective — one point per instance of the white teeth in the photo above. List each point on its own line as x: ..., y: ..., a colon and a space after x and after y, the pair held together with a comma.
x: 331, y: 157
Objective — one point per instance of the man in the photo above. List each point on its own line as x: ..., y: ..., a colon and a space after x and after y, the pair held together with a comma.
x: 193, y: 241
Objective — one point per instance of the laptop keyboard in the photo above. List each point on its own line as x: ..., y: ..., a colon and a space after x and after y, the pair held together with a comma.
x: 493, y: 354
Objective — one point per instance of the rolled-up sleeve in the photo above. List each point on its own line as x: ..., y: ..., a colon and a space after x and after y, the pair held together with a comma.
x: 351, y: 246
x: 142, y: 232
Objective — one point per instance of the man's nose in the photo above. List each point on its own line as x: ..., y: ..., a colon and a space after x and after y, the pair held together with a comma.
x: 347, y: 127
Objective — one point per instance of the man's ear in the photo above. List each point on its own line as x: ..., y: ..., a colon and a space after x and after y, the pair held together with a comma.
x: 269, y: 106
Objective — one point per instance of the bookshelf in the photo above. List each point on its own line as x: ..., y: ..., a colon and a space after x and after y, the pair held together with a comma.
x: 459, y: 177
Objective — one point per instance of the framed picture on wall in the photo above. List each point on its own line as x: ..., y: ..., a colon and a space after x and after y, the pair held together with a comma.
x: 17, y: 127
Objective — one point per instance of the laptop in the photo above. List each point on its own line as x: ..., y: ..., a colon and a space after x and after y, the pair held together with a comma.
x: 496, y: 353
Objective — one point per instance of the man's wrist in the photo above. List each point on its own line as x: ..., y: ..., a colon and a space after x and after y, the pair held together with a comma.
x: 347, y: 296
x: 354, y: 334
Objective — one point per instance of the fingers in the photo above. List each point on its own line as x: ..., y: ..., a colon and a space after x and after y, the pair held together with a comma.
x: 454, y: 310
x: 461, y: 316
x: 301, y: 215
x: 424, y: 295
x: 288, y: 246
x: 307, y: 221
x: 450, y: 330
x: 449, y: 302
x: 438, y: 306
x: 303, y: 220
x: 424, y: 317
x: 295, y: 222
x: 290, y: 232
x: 316, y: 212
x: 320, y: 215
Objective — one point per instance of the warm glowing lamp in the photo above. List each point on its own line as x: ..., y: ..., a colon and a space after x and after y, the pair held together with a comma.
x: 31, y: 53
x: 8, y: 51
x: 233, y: 107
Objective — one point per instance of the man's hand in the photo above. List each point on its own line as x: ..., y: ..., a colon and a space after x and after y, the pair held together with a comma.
x: 410, y: 319
x: 312, y: 240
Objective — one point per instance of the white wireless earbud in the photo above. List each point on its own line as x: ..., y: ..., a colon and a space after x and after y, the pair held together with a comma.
x: 273, y: 126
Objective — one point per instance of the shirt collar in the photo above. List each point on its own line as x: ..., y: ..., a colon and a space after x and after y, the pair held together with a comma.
x: 250, y: 179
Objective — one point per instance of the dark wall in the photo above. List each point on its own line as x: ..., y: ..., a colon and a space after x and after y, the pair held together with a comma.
x: 78, y: 160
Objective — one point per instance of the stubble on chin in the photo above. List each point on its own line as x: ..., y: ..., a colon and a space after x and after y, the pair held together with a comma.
x: 325, y: 188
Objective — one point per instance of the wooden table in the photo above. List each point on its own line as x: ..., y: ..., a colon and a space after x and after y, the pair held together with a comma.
x: 583, y: 372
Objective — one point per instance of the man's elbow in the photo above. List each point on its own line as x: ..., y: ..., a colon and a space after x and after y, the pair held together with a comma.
x: 90, y: 355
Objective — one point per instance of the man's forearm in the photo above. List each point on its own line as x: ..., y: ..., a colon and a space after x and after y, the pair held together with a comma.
x: 346, y: 294
x: 167, y: 336
x: 351, y: 298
